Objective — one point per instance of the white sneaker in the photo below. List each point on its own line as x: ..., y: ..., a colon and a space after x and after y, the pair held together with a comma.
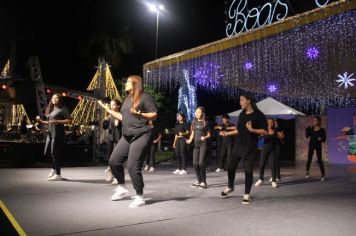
x: 107, y: 170
x: 109, y: 177
x: 146, y: 167
x: 53, y: 172
x: 246, y: 199
x: 120, y: 193
x: 274, y: 185
x: 183, y: 172
x: 152, y: 169
x: 259, y: 183
x: 55, y: 177
x: 137, y: 202
x: 270, y: 179
x: 114, y: 182
x: 278, y: 180
x: 219, y: 170
x: 176, y: 171
x: 307, y: 176
x: 323, y: 178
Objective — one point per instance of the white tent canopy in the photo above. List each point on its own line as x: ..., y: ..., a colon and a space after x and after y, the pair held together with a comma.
x: 273, y: 108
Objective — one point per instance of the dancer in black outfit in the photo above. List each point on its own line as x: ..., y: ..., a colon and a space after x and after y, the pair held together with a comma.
x: 114, y: 127
x: 179, y: 144
x: 280, y: 141
x: 200, y: 132
x: 317, y: 136
x: 151, y: 154
x: 226, y: 143
x: 137, y: 109
x: 57, y: 116
x: 251, y: 124
x: 269, y: 152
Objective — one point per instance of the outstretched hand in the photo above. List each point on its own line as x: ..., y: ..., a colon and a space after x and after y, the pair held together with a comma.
x: 54, y: 122
x: 101, y: 104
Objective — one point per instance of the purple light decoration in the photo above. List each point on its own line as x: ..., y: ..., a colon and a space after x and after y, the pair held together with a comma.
x: 272, y: 88
x: 312, y: 52
x: 208, y: 76
x: 248, y: 65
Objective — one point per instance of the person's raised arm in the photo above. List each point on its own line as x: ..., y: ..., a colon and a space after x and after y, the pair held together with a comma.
x: 115, y: 114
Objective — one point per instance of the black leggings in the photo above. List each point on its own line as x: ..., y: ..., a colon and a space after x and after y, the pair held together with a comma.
x: 318, y: 155
x: 225, y: 153
x: 53, y: 147
x: 132, y: 150
x: 151, y: 156
x: 249, y: 161
x: 180, y: 152
x: 268, y: 153
x: 199, y: 161
x: 278, y: 154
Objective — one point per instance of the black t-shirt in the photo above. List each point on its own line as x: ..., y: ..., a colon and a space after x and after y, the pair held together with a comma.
x: 181, y: 127
x: 314, y: 135
x: 114, y: 130
x: 200, y: 129
x: 270, y: 141
x: 227, y: 139
x: 245, y: 140
x: 56, y: 131
x: 133, y: 125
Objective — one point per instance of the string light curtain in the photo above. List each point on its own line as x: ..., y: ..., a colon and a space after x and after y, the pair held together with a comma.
x: 310, y: 67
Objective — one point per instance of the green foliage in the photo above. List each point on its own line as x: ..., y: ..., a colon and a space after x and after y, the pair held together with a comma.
x: 157, y: 96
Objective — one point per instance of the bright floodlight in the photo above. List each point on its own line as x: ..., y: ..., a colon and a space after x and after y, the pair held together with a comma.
x: 161, y: 7
x: 152, y: 7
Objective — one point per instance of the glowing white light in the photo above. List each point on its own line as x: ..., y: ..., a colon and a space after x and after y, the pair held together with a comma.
x: 321, y: 4
x: 152, y: 7
x: 345, y: 80
x: 241, y: 21
x: 161, y: 7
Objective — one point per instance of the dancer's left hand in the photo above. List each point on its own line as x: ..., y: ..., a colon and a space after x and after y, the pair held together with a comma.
x: 249, y: 126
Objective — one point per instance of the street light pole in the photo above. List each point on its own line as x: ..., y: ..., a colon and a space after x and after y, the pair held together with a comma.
x: 157, y: 33
x: 157, y: 9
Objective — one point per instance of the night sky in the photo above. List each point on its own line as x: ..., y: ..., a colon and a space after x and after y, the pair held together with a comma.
x: 59, y: 32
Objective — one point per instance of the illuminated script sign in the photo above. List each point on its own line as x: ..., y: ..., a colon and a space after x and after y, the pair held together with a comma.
x: 241, y: 19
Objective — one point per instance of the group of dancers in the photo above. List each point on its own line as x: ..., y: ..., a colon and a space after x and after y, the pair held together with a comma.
x: 133, y: 137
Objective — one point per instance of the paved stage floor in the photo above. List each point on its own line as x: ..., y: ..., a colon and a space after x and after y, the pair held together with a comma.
x: 81, y: 204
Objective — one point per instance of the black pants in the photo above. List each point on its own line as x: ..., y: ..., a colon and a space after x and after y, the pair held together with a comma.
x: 151, y: 156
x: 224, y: 155
x: 133, y: 150
x: 277, y: 156
x: 53, y: 147
x: 318, y: 155
x: 199, y: 161
x: 110, y: 146
x: 268, y: 154
x: 249, y: 161
x: 181, y: 152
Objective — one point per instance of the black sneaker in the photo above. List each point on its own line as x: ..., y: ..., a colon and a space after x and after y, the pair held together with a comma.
x: 226, y: 192
x: 246, y: 201
x: 197, y: 184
